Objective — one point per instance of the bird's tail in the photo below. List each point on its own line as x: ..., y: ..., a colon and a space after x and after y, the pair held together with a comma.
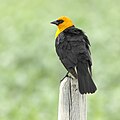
x: 85, y: 82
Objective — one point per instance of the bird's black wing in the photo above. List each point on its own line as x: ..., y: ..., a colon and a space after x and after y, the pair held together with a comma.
x: 72, y: 45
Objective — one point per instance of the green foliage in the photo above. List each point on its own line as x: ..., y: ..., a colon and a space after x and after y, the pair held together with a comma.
x: 30, y: 70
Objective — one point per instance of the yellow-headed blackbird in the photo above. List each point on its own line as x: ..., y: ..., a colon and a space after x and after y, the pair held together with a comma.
x: 72, y: 47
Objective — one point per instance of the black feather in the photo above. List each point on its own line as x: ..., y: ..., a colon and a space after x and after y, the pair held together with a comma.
x: 72, y: 47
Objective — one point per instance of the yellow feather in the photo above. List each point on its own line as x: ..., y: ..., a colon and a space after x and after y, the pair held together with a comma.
x: 61, y: 27
x: 57, y: 33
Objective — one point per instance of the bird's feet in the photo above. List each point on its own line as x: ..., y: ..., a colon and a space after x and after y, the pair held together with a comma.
x: 65, y: 77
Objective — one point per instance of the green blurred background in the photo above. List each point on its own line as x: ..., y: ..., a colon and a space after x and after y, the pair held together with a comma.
x: 29, y: 67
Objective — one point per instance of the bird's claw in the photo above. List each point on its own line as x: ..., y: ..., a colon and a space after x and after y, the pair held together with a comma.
x: 70, y: 77
x: 65, y: 77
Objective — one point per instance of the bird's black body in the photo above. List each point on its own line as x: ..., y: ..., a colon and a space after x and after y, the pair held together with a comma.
x: 72, y: 47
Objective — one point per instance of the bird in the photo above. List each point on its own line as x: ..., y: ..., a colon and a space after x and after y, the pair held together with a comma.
x: 73, y: 48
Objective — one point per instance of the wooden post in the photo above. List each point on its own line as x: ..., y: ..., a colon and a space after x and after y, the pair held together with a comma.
x: 72, y: 104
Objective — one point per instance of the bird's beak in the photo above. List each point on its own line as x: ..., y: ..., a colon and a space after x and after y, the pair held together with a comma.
x: 55, y: 22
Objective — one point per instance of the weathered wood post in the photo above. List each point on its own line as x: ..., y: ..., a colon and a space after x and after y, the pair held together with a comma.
x: 72, y: 104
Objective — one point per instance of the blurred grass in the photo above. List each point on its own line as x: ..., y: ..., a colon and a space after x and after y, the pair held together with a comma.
x: 30, y: 70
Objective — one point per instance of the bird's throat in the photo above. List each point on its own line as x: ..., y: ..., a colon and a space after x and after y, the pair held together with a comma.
x: 57, y: 33
x: 61, y: 29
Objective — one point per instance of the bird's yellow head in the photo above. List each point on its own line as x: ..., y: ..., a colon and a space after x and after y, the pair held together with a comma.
x: 62, y: 23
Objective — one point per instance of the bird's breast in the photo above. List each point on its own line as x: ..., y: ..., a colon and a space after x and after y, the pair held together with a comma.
x: 57, y: 40
x: 60, y: 38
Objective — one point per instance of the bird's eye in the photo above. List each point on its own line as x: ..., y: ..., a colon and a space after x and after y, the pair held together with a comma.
x: 60, y: 21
